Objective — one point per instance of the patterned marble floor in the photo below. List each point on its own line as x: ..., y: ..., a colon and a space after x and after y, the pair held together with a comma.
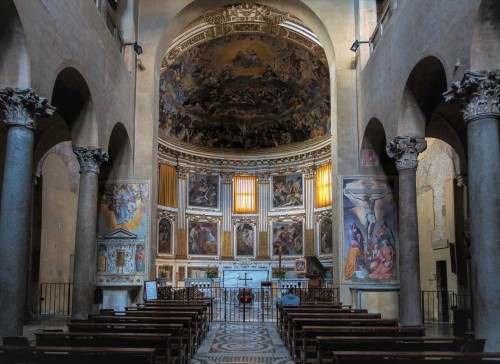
x: 242, y: 343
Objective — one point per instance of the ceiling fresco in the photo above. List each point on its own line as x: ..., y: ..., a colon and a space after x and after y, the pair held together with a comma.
x: 245, y: 91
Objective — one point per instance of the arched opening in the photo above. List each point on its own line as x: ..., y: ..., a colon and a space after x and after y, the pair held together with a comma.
x: 57, y: 171
x: 120, y: 153
x: 374, y: 158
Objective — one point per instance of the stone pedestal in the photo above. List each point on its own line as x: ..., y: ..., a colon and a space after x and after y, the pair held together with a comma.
x: 21, y: 108
x: 90, y: 160
x: 478, y: 97
x: 405, y: 150
x: 117, y: 298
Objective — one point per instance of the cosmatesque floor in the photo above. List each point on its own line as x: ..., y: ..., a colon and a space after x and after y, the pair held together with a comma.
x: 242, y: 343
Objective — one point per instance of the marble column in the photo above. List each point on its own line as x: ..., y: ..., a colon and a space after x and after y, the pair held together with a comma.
x: 181, y: 245
x: 309, y: 203
x: 405, y: 151
x: 264, y: 205
x: 477, y: 96
x: 226, y: 199
x: 21, y: 109
x: 90, y: 160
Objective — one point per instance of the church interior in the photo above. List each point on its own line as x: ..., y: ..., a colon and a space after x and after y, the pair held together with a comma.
x: 348, y: 146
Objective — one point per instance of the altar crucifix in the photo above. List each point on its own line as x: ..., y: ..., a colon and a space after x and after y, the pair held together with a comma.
x: 244, y: 294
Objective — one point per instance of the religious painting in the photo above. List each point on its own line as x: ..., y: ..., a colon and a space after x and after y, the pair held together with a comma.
x: 181, y: 274
x: 300, y: 266
x: 165, y: 236
x: 287, y: 238
x: 244, y: 239
x: 324, y: 235
x: 370, y: 158
x: 123, y: 205
x: 370, y: 238
x: 203, y: 238
x: 287, y: 191
x: 203, y: 191
x: 206, y: 98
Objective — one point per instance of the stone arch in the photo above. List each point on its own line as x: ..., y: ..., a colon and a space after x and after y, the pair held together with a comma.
x: 14, y: 60
x: 120, y: 152
x: 485, y: 45
x: 373, y: 155
x: 421, y: 95
x: 73, y: 100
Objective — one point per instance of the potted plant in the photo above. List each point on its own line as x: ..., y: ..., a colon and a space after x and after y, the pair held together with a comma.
x: 279, y: 273
x: 212, y: 272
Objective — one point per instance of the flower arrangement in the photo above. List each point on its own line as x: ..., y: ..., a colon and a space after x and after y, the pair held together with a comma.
x: 212, y: 272
x: 279, y: 273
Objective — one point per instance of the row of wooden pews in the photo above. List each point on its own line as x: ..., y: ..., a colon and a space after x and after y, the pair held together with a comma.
x: 335, y: 334
x: 149, y: 333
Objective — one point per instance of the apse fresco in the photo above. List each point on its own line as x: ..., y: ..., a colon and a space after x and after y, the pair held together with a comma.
x: 245, y: 91
x: 370, y: 247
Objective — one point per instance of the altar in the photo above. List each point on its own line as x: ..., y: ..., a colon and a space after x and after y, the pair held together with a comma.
x: 240, y: 278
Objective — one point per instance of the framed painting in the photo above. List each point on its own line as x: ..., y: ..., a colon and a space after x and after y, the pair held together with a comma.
x: 203, y: 238
x: 287, y: 238
x: 370, y: 158
x: 165, y: 272
x: 287, y: 191
x: 300, y: 266
x: 165, y: 236
x: 244, y: 238
x: 203, y: 191
x: 324, y: 235
x: 369, y: 248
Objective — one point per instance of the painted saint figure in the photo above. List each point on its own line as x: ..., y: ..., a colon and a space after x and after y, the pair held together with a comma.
x: 387, y: 259
x: 139, y: 259
x: 101, y: 258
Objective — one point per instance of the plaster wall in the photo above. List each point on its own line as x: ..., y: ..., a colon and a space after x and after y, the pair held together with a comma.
x: 59, y: 205
x: 62, y: 34
x: 416, y: 29
x: 435, y: 205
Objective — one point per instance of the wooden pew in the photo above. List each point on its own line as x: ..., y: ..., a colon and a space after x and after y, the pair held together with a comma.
x: 186, y: 321
x: 295, y: 334
x: 160, y: 342
x: 64, y: 355
x: 179, y: 346
x: 325, y: 345
x: 201, y: 301
x: 307, y: 335
x: 412, y: 357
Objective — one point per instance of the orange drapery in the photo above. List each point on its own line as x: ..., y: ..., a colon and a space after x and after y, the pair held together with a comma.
x: 167, y: 186
x: 324, y: 186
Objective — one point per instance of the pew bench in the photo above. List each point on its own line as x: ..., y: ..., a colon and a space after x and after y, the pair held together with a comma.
x: 160, y: 342
x: 64, y: 355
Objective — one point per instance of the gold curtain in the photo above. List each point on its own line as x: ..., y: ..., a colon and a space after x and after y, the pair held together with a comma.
x: 324, y: 186
x: 167, y: 186
x: 244, y: 194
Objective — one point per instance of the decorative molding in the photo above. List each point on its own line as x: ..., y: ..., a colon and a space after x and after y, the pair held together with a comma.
x: 263, y: 177
x: 172, y: 216
x: 286, y: 218
x: 22, y: 107
x: 405, y: 150
x: 246, y: 18
x: 203, y: 218
x: 243, y: 220
x: 477, y: 95
x: 120, y: 234
x: 90, y: 159
x: 321, y: 215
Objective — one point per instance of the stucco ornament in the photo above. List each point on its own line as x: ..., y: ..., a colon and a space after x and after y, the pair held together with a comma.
x: 405, y: 150
x: 90, y: 159
x: 23, y: 106
x: 477, y: 95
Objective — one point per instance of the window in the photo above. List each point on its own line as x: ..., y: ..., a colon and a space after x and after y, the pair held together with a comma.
x: 324, y: 186
x: 245, y: 194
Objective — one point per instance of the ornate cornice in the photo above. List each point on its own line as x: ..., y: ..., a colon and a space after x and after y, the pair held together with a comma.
x: 245, y: 220
x: 226, y: 178
x: 243, y: 19
x: 477, y: 95
x: 22, y: 107
x: 204, y: 218
x: 263, y: 178
x: 405, y: 150
x: 90, y: 159
x: 171, y: 215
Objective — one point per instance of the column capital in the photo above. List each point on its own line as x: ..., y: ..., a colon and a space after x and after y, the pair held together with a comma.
x: 405, y: 150
x: 182, y: 172
x: 263, y: 177
x: 226, y: 178
x: 477, y: 95
x: 90, y: 159
x: 23, y: 106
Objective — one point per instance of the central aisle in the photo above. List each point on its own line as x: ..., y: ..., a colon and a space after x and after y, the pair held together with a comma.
x: 242, y: 343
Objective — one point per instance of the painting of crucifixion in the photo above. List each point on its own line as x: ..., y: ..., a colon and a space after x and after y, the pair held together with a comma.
x: 369, y: 222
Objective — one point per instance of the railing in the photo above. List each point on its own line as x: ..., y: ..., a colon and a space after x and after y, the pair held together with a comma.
x: 438, y: 306
x: 55, y: 299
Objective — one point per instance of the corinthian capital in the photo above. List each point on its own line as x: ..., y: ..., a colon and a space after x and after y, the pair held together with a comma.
x: 23, y: 106
x: 405, y: 150
x: 90, y: 159
x: 477, y: 95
